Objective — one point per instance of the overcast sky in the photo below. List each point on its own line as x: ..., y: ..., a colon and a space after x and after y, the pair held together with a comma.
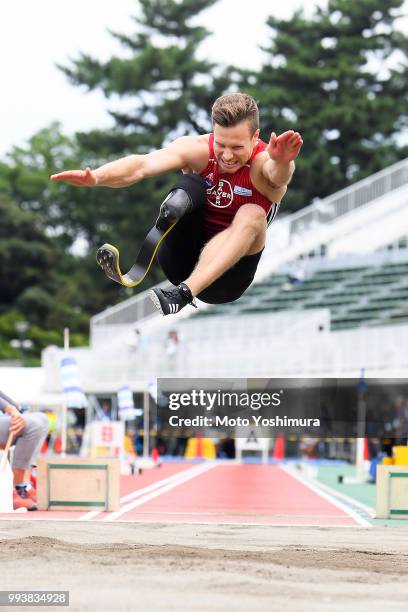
x: 34, y: 36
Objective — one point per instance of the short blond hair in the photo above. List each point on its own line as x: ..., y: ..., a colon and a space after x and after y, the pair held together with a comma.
x: 231, y: 109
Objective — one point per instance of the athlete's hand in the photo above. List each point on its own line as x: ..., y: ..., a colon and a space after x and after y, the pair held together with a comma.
x: 78, y: 178
x: 286, y: 147
x: 17, y: 421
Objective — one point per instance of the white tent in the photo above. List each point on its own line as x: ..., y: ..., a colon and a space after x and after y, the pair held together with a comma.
x: 26, y: 386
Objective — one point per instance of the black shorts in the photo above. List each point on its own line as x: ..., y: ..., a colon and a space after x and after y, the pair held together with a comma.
x: 179, y: 253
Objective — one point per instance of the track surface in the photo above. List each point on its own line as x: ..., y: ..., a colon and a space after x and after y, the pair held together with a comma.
x: 217, y: 493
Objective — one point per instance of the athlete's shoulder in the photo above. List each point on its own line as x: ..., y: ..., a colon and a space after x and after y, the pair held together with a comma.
x: 195, y: 142
x: 195, y: 150
x: 204, y: 138
x: 257, y: 163
x: 195, y: 138
x: 273, y: 194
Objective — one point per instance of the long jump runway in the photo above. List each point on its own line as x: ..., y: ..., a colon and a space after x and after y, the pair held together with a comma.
x: 212, y: 492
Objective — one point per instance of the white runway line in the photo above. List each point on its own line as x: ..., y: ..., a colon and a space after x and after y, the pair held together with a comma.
x: 328, y: 497
x: 350, y: 500
x: 184, y: 477
x: 139, y: 492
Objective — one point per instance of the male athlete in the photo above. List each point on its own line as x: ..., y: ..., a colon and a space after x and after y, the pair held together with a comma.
x: 231, y: 189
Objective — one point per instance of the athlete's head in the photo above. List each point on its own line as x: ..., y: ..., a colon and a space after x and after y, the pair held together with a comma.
x: 235, y: 119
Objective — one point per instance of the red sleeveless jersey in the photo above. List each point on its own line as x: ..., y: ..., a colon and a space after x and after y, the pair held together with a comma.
x: 227, y: 192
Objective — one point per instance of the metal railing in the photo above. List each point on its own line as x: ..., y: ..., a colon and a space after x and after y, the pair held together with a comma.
x: 137, y: 308
x: 203, y: 353
x: 350, y: 198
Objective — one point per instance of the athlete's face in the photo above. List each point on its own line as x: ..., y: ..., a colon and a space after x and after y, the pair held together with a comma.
x: 233, y: 146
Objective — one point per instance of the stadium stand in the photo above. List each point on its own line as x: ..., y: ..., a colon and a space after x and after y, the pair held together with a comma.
x: 356, y: 295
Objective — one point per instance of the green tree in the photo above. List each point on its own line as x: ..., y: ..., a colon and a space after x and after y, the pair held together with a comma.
x: 71, y: 288
x: 340, y: 78
x: 24, y: 177
x: 40, y: 282
x: 28, y: 259
x: 170, y: 89
x: 169, y: 92
x: 27, y: 256
x: 172, y: 92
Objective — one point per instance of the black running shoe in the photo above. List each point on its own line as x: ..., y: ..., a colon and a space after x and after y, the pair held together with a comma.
x: 170, y: 301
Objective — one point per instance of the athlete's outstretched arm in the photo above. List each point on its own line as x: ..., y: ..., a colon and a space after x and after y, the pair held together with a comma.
x: 134, y: 168
x: 282, y: 150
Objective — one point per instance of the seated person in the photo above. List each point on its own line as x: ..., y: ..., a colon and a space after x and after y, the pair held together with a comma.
x: 30, y: 431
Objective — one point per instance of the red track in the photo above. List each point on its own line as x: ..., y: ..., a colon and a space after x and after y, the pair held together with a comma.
x: 227, y: 493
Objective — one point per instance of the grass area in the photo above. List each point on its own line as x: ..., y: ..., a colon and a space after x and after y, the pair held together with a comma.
x: 364, y: 493
x: 329, y: 475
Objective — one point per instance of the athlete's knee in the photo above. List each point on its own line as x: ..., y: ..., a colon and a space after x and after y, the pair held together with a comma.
x: 43, y: 423
x: 187, y: 195
x: 37, y: 424
x: 252, y: 218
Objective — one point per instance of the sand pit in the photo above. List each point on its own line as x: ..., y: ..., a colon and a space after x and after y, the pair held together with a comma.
x: 139, y: 566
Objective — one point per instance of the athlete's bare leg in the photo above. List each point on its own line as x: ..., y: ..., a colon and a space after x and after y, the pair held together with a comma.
x: 20, y: 476
x: 245, y: 236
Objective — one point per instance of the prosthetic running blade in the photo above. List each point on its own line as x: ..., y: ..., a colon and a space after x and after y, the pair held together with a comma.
x: 108, y: 258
